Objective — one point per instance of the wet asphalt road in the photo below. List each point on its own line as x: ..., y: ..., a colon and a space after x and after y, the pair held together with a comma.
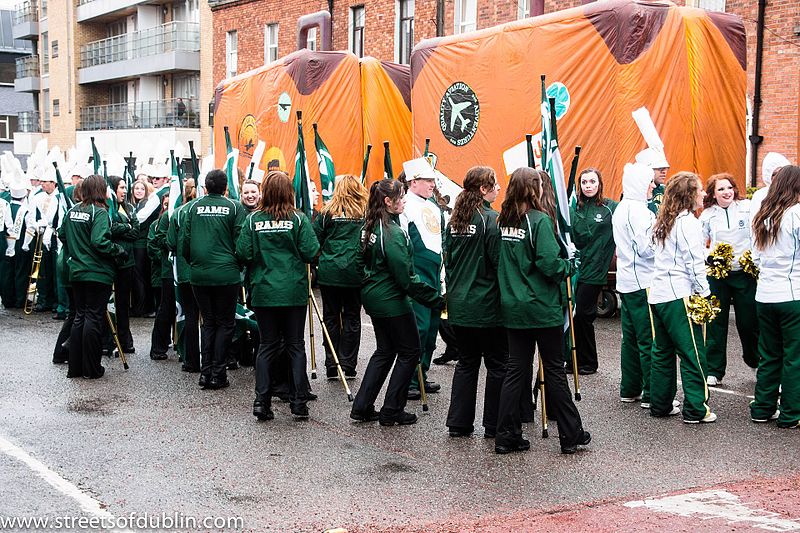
x: 149, y: 440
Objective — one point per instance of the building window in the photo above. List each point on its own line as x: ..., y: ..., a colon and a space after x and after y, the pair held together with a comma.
x: 8, y: 124
x: 56, y: 108
x: 270, y: 43
x: 311, y: 40
x: 523, y: 9
x: 710, y: 5
x: 45, y: 54
x: 357, y: 30
x: 466, y: 13
x: 405, y: 27
x: 54, y: 48
x: 231, y: 54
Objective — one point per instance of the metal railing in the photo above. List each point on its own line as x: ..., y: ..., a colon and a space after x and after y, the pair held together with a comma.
x: 27, y: 11
x: 28, y: 122
x: 28, y: 67
x: 171, y: 113
x: 169, y: 37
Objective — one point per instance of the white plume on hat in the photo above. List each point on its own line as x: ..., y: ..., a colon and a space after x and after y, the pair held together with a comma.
x: 115, y: 164
x: 772, y: 161
x: 652, y: 156
x: 418, y: 168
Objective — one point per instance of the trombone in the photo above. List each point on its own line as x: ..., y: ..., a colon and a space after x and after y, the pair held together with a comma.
x: 36, y: 262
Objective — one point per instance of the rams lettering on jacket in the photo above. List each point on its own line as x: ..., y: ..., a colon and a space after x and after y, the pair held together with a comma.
x: 274, y: 225
x: 213, y: 210
x: 512, y: 233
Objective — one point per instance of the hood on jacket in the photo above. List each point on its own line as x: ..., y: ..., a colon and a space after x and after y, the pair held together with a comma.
x: 636, y: 179
x: 772, y: 161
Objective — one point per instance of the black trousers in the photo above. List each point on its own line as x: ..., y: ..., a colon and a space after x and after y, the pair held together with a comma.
x: 191, y: 326
x: 478, y: 344
x: 276, y: 324
x: 521, y: 345
x: 341, y: 312
x: 165, y: 318
x: 85, y: 340
x: 585, y: 314
x: 217, y: 305
x: 60, y: 353
x: 122, y: 304
x: 397, y: 342
x: 46, y: 284
x: 447, y: 334
x: 142, y: 293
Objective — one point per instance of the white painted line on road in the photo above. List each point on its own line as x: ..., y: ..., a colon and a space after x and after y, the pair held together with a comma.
x: 721, y: 504
x: 731, y: 392
x: 87, y: 504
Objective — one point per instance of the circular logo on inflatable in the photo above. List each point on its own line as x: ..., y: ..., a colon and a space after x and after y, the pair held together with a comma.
x: 560, y: 93
x: 459, y: 113
x: 248, y: 135
x: 284, y: 106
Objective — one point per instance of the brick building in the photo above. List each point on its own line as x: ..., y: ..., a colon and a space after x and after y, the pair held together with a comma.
x: 249, y: 33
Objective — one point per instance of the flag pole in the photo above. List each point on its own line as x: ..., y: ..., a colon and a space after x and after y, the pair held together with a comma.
x: 311, y: 326
x: 327, y: 337
x: 366, y: 163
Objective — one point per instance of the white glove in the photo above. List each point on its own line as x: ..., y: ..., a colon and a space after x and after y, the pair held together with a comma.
x: 11, y: 250
x: 26, y: 247
x: 571, y: 250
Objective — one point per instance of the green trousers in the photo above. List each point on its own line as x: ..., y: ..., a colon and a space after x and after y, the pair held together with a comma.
x: 637, y: 343
x: 779, y: 366
x: 738, y: 288
x: 428, y: 327
x: 675, y: 335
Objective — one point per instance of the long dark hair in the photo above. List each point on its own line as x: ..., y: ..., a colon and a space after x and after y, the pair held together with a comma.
x: 679, y: 196
x: 523, y: 193
x: 376, y: 207
x: 784, y: 192
x: 93, y: 191
x: 277, y: 195
x: 471, y: 197
x: 598, y: 198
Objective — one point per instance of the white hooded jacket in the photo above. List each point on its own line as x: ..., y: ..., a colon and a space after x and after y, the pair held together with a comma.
x: 680, y: 262
x: 779, y: 263
x: 632, y: 223
x: 771, y: 161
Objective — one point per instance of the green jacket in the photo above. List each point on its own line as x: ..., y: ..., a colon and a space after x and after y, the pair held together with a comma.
x: 276, y: 253
x: 530, y: 272
x: 173, y: 237
x: 159, y: 241
x: 89, y: 250
x: 593, y: 236
x: 208, y: 243
x: 389, y: 278
x: 125, y: 231
x: 470, y: 259
x: 340, y: 241
x: 155, y: 253
x: 654, y: 204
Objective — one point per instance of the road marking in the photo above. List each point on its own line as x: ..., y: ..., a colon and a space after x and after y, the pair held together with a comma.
x: 710, y: 504
x: 731, y: 392
x: 87, y: 504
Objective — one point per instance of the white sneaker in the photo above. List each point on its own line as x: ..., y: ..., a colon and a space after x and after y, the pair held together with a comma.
x: 675, y: 411
x: 632, y: 399
x: 711, y: 381
x: 710, y: 417
x: 646, y: 405
x: 773, y: 416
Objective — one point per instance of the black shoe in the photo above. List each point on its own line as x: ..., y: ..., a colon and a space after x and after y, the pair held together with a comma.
x: 443, y: 359
x: 151, y: 314
x: 584, y: 438
x: 585, y: 371
x: 60, y: 316
x: 216, y: 384
x: 57, y: 361
x: 488, y: 434
x: 414, y: 394
x: 520, y: 446
x: 106, y: 352
x: 98, y: 375
x: 349, y: 372
x: 310, y: 396
x: 129, y: 349
x: 370, y: 415
x: 403, y: 419
x: 262, y: 411
x: 331, y: 373
x: 300, y: 412
x: 203, y: 381
x: 460, y: 432
x: 233, y: 365
x: 282, y: 396
x: 432, y: 388
x: 158, y: 356
x: 190, y: 369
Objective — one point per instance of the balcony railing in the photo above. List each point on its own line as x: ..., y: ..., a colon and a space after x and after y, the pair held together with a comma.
x: 28, y: 122
x: 28, y: 67
x: 173, y: 113
x: 169, y: 37
x: 27, y: 11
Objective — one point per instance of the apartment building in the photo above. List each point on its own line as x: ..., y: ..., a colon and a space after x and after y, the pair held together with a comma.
x: 12, y: 103
x: 250, y: 33
x: 126, y: 72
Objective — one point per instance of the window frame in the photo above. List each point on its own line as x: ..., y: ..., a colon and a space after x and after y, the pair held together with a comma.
x: 269, y: 46
x: 460, y: 24
x: 5, y: 124
x: 231, y: 53
x: 403, y: 17
x: 356, y: 34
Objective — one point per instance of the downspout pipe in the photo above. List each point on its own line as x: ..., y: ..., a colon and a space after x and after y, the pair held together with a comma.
x: 440, y: 18
x: 755, y: 138
x: 321, y: 20
x: 537, y: 8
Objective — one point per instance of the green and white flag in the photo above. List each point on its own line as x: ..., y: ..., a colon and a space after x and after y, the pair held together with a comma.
x: 175, y: 186
x: 551, y: 161
x: 327, y: 174
x: 231, y: 167
x: 302, y: 200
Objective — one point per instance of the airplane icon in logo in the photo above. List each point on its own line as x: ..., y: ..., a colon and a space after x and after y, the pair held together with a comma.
x: 285, y: 106
x: 249, y: 144
x: 458, y: 108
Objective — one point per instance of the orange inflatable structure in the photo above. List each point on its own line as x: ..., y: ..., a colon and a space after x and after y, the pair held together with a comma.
x: 476, y: 95
x: 353, y: 102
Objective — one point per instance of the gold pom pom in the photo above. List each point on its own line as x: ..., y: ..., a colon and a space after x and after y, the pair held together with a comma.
x: 720, y: 261
x: 703, y: 310
x: 748, y: 265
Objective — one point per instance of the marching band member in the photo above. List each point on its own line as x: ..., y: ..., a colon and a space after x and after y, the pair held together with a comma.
x: 61, y: 350
x: 90, y: 254
x: 655, y: 159
x: 19, y: 236
x: 388, y: 286
x: 679, y: 272
x: 338, y: 228
x: 212, y: 227
x: 43, y: 216
x: 530, y: 274
x: 632, y: 224
x: 124, y: 231
x: 594, y: 238
x: 276, y: 243
x: 776, y: 234
x: 160, y: 338
x: 471, y: 248
x: 726, y: 218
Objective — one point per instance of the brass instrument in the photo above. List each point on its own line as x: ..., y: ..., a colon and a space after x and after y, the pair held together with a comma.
x: 36, y: 262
